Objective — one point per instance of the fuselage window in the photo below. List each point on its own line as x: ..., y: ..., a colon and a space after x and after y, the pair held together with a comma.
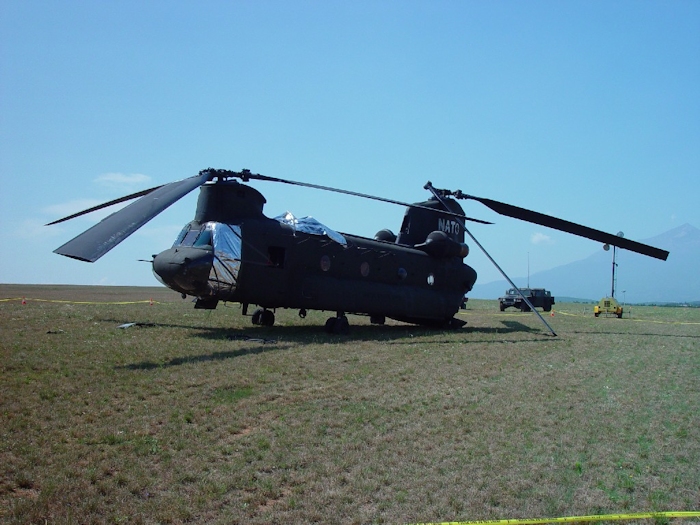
x: 276, y: 256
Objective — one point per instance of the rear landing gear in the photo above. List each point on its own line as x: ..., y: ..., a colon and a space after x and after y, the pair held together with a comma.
x: 263, y: 317
x: 338, y: 324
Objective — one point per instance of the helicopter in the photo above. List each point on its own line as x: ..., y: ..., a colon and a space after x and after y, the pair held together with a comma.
x: 232, y: 252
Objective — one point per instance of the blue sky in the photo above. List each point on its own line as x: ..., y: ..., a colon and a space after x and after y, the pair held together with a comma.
x: 585, y: 110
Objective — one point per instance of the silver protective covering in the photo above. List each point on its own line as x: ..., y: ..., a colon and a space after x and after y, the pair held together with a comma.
x: 310, y: 225
x: 227, y: 256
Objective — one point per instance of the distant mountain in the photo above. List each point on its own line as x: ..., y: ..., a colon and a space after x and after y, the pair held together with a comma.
x: 640, y: 279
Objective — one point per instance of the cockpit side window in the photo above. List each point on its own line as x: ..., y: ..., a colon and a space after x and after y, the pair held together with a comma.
x: 189, y: 238
x: 181, y: 235
x: 204, y: 238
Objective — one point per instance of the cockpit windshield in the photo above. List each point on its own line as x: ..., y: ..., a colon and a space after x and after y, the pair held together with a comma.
x: 225, y: 240
x: 192, y: 235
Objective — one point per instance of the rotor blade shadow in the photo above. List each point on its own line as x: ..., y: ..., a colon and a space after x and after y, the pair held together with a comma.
x: 214, y: 356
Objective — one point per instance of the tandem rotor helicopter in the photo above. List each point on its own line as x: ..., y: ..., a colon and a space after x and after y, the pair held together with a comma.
x: 231, y: 251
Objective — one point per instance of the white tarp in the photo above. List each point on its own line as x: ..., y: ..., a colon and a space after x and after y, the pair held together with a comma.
x: 227, y: 254
x: 310, y: 225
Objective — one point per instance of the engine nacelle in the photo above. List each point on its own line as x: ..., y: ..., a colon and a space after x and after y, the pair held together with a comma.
x: 440, y: 245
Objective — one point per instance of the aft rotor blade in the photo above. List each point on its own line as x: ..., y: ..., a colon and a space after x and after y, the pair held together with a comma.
x: 105, y: 235
x: 570, y: 227
x: 436, y: 194
x: 106, y: 205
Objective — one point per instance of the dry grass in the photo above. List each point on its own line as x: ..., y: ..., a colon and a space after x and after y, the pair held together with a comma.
x: 197, y: 416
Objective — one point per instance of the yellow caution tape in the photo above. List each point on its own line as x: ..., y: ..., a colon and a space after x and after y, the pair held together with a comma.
x: 634, y: 319
x: 559, y: 312
x: 23, y: 299
x: 575, y: 519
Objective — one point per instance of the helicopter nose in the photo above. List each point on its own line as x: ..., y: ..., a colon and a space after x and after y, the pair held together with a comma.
x: 184, y: 269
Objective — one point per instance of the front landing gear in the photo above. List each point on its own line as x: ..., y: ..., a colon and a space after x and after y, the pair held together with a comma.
x: 263, y: 317
x: 338, y: 324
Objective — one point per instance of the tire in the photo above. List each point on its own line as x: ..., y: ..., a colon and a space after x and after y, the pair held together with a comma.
x: 337, y: 325
x: 502, y: 307
x: 342, y: 326
x: 268, y: 318
x: 257, y: 316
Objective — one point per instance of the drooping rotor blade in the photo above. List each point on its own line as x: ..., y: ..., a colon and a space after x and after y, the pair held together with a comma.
x: 566, y: 226
x: 247, y: 175
x: 437, y: 195
x: 105, y: 235
x: 106, y: 205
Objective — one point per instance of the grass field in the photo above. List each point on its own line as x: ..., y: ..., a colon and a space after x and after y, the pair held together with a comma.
x: 196, y: 416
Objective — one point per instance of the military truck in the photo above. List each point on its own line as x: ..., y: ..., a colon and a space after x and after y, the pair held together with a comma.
x: 538, y: 297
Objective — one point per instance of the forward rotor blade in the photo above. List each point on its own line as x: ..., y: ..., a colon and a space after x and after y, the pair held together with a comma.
x: 356, y: 194
x: 105, y: 235
x: 106, y: 205
x: 570, y: 227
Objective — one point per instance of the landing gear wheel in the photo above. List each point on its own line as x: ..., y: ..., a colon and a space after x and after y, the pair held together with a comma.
x: 262, y: 317
x: 337, y: 325
x: 330, y: 325
x: 268, y: 318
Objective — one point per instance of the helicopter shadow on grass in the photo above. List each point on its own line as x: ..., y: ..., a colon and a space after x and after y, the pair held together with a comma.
x: 214, y: 356
x: 270, y: 339
x: 224, y: 334
x: 390, y: 333
x: 293, y: 334
x: 277, y: 338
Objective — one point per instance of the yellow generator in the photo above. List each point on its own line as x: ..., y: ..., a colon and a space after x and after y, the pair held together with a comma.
x: 608, y: 306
